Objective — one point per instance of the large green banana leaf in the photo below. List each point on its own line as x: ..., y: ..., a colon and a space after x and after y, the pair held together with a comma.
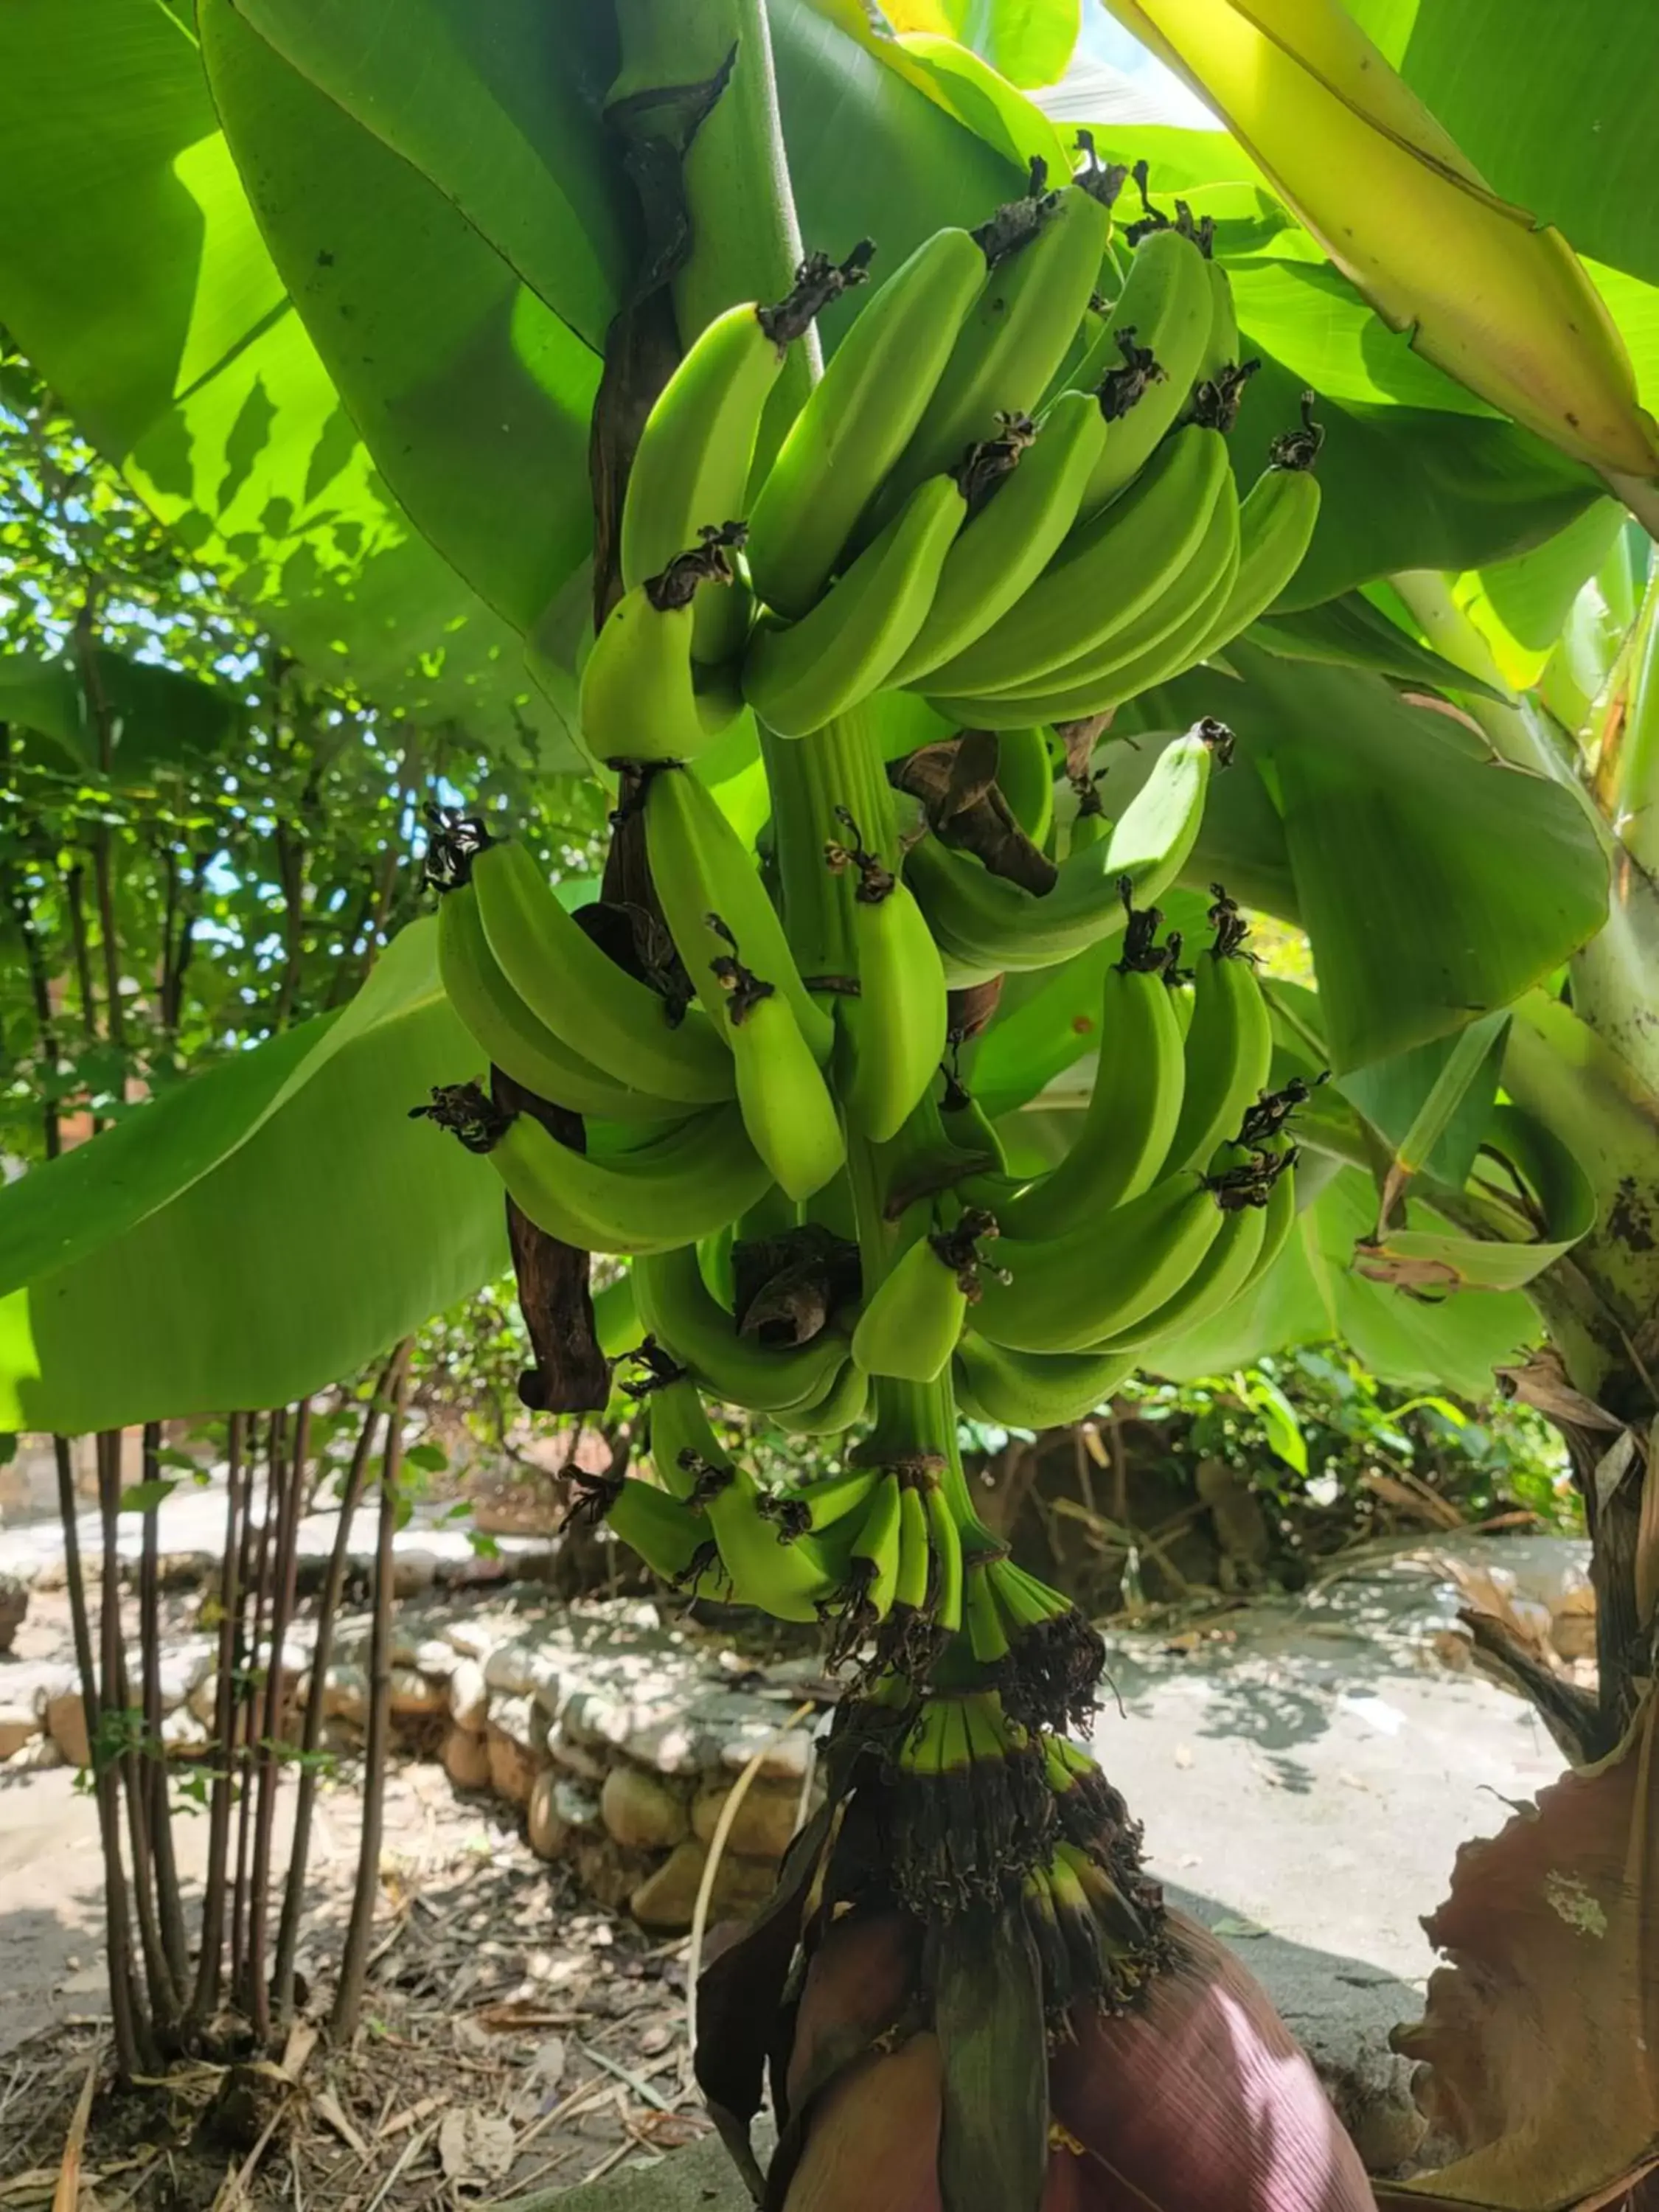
x: 1313, y: 1292
x: 159, y: 718
x: 472, y: 393
x: 1435, y: 882
x: 257, y: 1231
x: 132, y: 274
x: 498, y: 107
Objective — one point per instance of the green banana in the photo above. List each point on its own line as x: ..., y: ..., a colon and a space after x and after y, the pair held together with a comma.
x: 914, y: 1576
x: 1073, y: 1292
x: 666, y: 1191
x: 1221, y: 348
x: 1276, y: 521
x: 677, y: 1308
x: 787, y: 1107
x: 1017, y: 334
x: 675, y: 1540
x: 1212, y: 1287
x: 590, y: 1004
x: 616, y: 1318
x: 792, y: 1582
x: 875, y: 1561
x: 1230, y: 1045
x: 1147, y: 358
x: 948, y: 1563
x: 1107, y: 573
x: 1279, y: 1220
x: 893, y: 1029
x: 858, y: 420
x: 1006, y: 543
x: 835, y: 1410
x: 808, y: 1508
x: 969, y: 1128
x: 986, y: 926
x: 1025, y: 777
x: 1159, y: 643
x: 1133, y: 1107
x: 642, y: 696
x: 909, y: 1328
x: 1035, y: 1390
x: 691, y: 465
x: 505, y: 1030
x: 792, y: 1587
x: 798, y: 676
x: 700, y: 866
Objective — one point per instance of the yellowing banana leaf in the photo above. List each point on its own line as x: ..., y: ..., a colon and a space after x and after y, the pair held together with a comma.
x: 1554, y: 117
x: 1029, y: 41
x: 257, y: 1231
x: 499, y: 107
x: 1312, y: 1292
x: 955, y: 78
x: 1527, y: 1232
x: 1492, y: 296
x: 133, y: 276
x: 470, y: 392
x: 160, y: 718
x: 873, y: 151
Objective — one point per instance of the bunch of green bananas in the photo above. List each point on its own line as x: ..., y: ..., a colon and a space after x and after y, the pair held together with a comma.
x: 1013, y: 496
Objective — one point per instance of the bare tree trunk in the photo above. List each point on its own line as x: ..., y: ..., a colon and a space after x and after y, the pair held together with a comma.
x: 354, y: 1963
x: 328, y: 1606
x: 210, y: 1964
x: 291, y: 1492
x: 170, y: 1909
x: 133, y: 2049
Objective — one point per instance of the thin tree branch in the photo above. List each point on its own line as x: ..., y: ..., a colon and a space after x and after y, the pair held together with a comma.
x: 292, y: 1492
x: 328, y: 1605
x: 169, y: 1907
x: 209, y: 1965
x: 354, y: 1963
x: 133, y: 2048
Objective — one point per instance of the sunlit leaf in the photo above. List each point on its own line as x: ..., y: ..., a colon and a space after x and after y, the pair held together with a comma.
x: 1029, y: 41
x: 471, y: 394
x: 133, y: 275
x: 499, y: 108
x: 159, y: 718
x: 258, y: 1232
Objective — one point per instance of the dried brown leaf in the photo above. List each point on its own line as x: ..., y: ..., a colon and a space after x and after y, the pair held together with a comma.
x: 1542, y: 2037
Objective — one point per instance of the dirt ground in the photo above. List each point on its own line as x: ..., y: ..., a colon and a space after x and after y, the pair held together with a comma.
x: 515, y: 2037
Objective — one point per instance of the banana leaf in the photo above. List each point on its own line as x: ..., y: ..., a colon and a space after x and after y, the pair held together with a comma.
x: 1558, y: 1194
x: 1434, y: 881
x: 160, y: 718
x: 471, y: 394
x: 256, y: 1232
x: 1349, y: 632
x: 1312, y: 1292
x: 133, y: 276
x: 499, y: 108
x: 1029, y: 42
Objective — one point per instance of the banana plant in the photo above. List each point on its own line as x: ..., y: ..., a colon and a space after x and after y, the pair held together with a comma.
x: 535, y: 374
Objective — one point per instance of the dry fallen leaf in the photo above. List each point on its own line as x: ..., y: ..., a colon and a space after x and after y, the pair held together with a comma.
x: 476, y: 2145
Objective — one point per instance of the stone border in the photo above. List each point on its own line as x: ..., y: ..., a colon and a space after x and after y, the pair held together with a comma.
x: 618, y: 1738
